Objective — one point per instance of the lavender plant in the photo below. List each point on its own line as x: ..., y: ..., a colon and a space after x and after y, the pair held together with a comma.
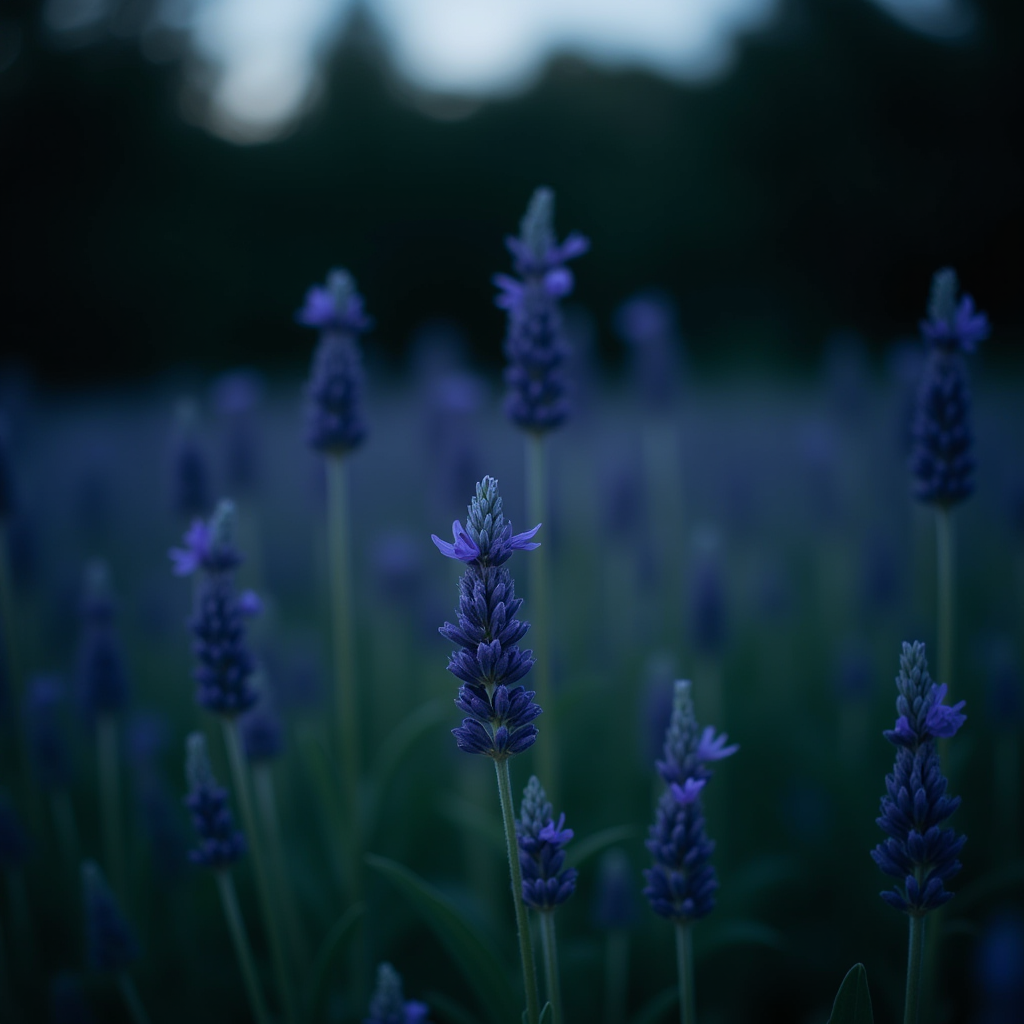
x: 919, y: 852
x: 681, y: 884
x: 224, y: 670
x: 335, y: 427
x: 220, y: 846
x: 489, y: 664
x: 942, y: 443
x: 389, y: 1005
x: 190, y: 472
x: 547, y: 883
x: 537, y: 398
x: 111, y: 945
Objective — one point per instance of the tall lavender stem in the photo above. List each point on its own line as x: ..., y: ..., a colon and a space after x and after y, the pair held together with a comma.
x: 522, y: 923
x: 915, y: 960
x: 684, y: 964
x: 537, y: 502
x: 267, y: 905
x: 229, y: 901
x: 551, y: 975
x: 346, y: 706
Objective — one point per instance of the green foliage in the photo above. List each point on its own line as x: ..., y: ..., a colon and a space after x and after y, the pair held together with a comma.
x: 479, y: 963
x: 853, y: 1000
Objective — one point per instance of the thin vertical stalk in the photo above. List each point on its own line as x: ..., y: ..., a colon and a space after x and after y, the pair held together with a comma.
x: 229, y: 900
x: 131, y: 998
x: 946, y: 575
x: 551, y: 977
x: 342, y: 636
x: 522, y: 923
x: 263, y: 888
x: 539, y: 575
x: 915, y: 959
x: 684, y: 965
x: 267, y: 804
x: 110, y: 802
x: 616, y: 972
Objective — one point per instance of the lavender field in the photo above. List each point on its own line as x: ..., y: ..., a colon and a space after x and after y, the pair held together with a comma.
x: 237, y: 777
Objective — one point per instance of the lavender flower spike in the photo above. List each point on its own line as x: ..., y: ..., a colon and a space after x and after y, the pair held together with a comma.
x: 681, y: 885
x: 335, y: 421
x: 546, y: 884
x: 918, y: 852
x: 489, y: 662
x: 942, y: 452
x: 389, y: 1005
x: 535, y: 344
x: 220, y: 843
x: 952, y: 325
x: 224, y: 662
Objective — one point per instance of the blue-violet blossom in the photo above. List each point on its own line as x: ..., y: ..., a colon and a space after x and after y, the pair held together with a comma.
x: 220, y: 843
x: 546, y: 883
x: 681, y: 885
x: 535, y: 345
x: 389, y: 1005
x: 335, y: 421
x: 224, y: 662
x: 918, y: 852
x: 489, y: 661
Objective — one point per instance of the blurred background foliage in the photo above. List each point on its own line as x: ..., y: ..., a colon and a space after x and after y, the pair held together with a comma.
x: 813, y: 188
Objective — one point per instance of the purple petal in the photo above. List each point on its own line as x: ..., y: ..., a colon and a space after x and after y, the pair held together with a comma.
x: 942, y: 720
x: 713, y: 748
x: 519, y: 541
x: 688, y: 791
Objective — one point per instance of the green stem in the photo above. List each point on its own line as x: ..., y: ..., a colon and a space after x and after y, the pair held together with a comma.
x: 551, y: 978
x: 945, y: 568
x: 263, y: 888
x: 110, y: 802
x: 131, y: 997
x: 684, y: 964
x: 522, y: 923
x: 267, y: 804
x: 616, y: 971
x: 229, y: 900
x: 538, y: 562
x: 915, y: 958
x: 342, y: 636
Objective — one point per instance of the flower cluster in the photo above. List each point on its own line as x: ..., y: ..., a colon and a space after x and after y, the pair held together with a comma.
x: 535, y: 346
x: 224, y: 662
x: 681, y: 885
x: 389, y: 1005
x: 546, y: 883
x: 335, y: 421
x: 918, y: 852
x: 942, y: 451
x: 220, y: 843
x: 110, y: 943
x: 489, y: 662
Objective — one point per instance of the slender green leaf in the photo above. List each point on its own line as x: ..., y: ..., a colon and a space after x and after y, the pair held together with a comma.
x: 656, y: 1007
x: 479, y: 963
x: 399, y: 743
x: 576, y: 854
x: 853, y: 1000
x: 326, y: 955
x: 547, y: 1015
